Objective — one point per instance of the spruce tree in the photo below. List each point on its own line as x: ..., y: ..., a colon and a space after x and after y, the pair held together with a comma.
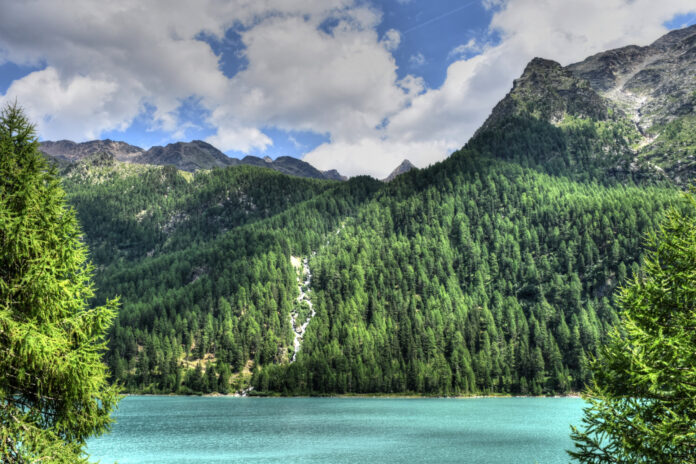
x: 54, y: 390
x: 643, y: 399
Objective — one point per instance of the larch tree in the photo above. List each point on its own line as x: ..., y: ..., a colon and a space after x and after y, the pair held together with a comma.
x: 54, y: 387
x: 642, y: 403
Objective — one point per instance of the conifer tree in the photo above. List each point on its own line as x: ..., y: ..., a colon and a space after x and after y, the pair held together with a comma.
x: 54, y: 391
x: 643, y: 400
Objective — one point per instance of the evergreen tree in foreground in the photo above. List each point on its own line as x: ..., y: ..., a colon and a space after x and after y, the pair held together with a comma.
x: 643, y: 401
x: 54, y: 392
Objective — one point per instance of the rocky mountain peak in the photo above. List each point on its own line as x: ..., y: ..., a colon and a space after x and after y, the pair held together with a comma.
x: 548, y: 91
x: 333, y: 174
x: 67, y: 150
x: 187, y: 156
x: 402, y: 168
x: 653, y: 84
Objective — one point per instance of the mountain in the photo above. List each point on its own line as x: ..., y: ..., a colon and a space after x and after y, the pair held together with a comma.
x: 404, y: 167
x: 493, y: 271
x: 66, y: 150
x: 654, y: 86
x: 548, y: 92
x: 186, y: 156
x: 639, y: 100
x: 289, y: 165
x: 333, y: 175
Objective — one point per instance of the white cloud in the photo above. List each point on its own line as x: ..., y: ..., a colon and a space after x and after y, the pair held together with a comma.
x: 391, y: 39
x: 417, y: 60
x: 56, y: 105
x: 104, y: 62
x: 302, y: 78
x: 462, y: 51
x: 374, y: 156
x: 298, y: 77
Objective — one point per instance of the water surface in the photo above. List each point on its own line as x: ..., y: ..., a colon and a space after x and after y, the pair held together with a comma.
x: 176, y: 430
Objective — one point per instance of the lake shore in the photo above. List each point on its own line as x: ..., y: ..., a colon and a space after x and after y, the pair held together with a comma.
x: 355, y: 395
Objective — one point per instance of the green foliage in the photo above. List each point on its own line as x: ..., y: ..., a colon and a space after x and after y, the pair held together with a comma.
x: 643, y: 399
x: 54, y: 392
x: 490, y: 272
x: 473, y: 276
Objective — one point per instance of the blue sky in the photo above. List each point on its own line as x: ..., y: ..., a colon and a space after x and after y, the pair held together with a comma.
x: 355, y: 85
x: 430, y: 31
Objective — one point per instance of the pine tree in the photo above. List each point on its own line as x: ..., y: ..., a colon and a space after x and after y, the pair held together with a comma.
x: 643, y: 400
x: 54, y: 391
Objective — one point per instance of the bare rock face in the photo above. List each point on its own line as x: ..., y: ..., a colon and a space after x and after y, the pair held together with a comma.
x: 66, y: 150
x: 333, y: 174
x: 187, y: 156
x: 403, y: 168
x: 653, y: 85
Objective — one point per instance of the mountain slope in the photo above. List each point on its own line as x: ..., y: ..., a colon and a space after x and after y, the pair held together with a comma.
x: 652, y: 84
x: 655, y: 87
x: 490, y: 272
x: 636, y: 104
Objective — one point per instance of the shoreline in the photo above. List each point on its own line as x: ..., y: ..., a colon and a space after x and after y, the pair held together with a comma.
x: 402, y: 396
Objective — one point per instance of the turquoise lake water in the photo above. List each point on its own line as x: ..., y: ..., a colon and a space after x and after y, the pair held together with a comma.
x: 338, y: 430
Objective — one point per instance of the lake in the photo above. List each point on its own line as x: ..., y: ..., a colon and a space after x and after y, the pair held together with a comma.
x: 338, y: 430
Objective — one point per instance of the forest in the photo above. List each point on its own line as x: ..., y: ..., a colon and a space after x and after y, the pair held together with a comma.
x: 491, y: 272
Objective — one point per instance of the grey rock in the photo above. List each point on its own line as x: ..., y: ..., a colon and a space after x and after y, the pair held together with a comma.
x: 403, y: 168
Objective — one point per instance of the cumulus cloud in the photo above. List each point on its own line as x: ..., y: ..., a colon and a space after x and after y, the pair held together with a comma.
x: 300, y: 77
x: 417, y: 60
x: 391, y: 39
x: 55, y: 104
x: 441, y: 120
x: 106, y: 62
x: 462, y: 51
x: 313, y: 65
x: 374, y: 156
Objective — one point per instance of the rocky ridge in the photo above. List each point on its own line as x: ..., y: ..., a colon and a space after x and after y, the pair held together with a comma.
x: 654, y: 84
x: 186, y: 156
x: 647, y: 94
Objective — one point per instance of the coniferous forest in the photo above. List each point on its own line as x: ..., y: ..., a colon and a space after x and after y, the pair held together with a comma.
x: 552, y: 254
x: 491, y: 272
x: 494, y: 271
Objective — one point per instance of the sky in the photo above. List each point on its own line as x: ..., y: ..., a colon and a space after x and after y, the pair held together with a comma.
x: 352, y: 85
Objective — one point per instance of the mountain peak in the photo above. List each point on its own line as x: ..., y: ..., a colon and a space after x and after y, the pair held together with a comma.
x: 67, y: 150
x: 548, y: 91
x: 538, y: 64
x: 333, y: 174
x: 652, y: 84
x: 186, y: 156
x: 404, y: 167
